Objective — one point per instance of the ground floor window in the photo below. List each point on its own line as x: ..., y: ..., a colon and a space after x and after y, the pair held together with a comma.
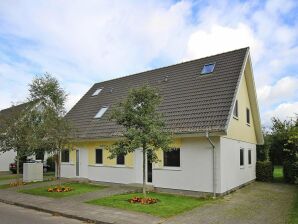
x: 249, y: 156
x: 98, y: 156
x: 120, y: 160
x: 241, y: 157
x: 172, y: 158
x: 65, y: 156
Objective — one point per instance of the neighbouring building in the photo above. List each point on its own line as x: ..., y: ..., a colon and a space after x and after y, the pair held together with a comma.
x: 211, y: 98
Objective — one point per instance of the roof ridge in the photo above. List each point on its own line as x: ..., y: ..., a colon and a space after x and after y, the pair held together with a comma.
x: 185, y: 62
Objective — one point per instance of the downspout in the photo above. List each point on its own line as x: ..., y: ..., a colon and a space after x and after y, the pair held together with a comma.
x: 213, y: 164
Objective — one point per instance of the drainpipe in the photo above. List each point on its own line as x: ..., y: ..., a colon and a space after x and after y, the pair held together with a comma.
x: 213, y: 163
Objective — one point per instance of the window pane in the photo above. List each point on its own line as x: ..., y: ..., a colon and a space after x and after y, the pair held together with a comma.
x: 241, y: 157
x: 120, y: 160
x: 247, y: 116
x: 172, y: 158
x: 98, y: 156
x: 65, y: 156
x: 101, y: 112
x: 249, y: 156
x: 208, y: 68
x: 96, y: 92
x: 235, y: 113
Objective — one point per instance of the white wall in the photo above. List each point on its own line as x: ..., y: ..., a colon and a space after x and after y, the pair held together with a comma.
x: 5, y: 159
x: 112, y: 174
x: 68, y: 170
x: 232, y: 175
x: 195, y: 172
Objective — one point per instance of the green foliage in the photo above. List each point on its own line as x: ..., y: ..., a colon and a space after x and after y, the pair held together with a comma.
x: 143, y: 126
x: 78, y: 188
x: 264, y: 171
x: 167, y: 206
x: 290, y: 170
x: 51, y: 163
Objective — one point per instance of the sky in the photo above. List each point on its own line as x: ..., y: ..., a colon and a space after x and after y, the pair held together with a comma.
x: 84, y: 42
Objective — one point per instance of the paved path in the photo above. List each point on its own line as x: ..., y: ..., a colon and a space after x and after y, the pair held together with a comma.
x: 11, y: 214
x: 254, y: 204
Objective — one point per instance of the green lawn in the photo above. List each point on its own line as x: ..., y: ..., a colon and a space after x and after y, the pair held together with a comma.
x: 78, y: 188
x: 167, y: 206
x: 293, y: 216
x: 278, y: 174
x: 8, y: 176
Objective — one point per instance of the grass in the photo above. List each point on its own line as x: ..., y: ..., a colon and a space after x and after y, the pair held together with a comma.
x: 293, y: 216
x: 9, y: 176
x: 78, y: 188
x: 278, y: 174
x: 167, y: 206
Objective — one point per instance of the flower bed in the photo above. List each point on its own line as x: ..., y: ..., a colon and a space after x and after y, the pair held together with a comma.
x: 17, y: 183
x: 143, y: 200
x: 59, y: 189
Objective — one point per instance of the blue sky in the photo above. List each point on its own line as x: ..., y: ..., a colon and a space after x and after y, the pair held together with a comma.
x: 83, y: 42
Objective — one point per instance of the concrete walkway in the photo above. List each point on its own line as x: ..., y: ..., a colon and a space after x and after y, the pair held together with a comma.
x: 266, y: 203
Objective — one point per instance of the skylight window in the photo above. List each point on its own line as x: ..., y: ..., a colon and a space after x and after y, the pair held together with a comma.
x: 101, y: 112
x: 208, y: 68
x: 96, y: 92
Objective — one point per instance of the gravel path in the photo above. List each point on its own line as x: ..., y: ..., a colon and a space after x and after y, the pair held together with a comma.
x: 257, y: 203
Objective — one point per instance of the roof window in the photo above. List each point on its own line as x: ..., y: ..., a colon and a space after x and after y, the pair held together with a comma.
x: 96, y: 92
x: 101, y: 112
x: 208, y: 68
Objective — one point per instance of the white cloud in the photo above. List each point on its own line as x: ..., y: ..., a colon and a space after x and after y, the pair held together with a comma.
x: 284, y: 111
x: 219, y: 39
x: 283, y: 90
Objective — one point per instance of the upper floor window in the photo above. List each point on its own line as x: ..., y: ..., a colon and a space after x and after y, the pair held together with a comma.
x: 241, y: 157
x: 120, y: 159
x: 208, y: 68
x: 101, y: 112
x: 235, y: 112
x: 96, y: 92
x: 98, y: 156
x: 172, y: 158
x: 65, y: 156
x: 247, y: 116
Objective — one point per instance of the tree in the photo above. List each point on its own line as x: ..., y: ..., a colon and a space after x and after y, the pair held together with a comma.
x: 50, y: 131
x: 14, y: 134
x: 143, y: 126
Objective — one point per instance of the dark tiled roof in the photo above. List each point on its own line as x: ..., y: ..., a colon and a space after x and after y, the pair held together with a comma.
x: 191, y: 102
x: 10, y: 113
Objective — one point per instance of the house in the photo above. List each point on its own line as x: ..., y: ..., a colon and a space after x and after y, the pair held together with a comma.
x: 8, y: 157
x: 210, y: 105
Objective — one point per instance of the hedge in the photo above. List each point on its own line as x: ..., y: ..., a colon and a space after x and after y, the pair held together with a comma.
x: 290, y: 172
x: 264, y: 171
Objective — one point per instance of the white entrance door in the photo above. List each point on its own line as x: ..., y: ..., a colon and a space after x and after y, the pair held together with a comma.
x: 82, y: 163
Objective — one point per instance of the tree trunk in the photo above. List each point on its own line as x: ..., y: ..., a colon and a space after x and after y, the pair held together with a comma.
x: 144, y: 171
x: 59, y: 168
x: 18, y: 169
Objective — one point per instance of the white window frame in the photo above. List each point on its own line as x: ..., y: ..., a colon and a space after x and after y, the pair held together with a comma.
x: 101, y: 112
x: 97, y: 91
x: 236, y: 107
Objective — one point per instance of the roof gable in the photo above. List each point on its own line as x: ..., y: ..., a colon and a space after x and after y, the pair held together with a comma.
x: 192, y: 103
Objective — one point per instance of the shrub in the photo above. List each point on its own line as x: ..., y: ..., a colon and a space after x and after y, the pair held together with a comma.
x: 264, y: 171
x: 290, y: 170
x: 51, y: 163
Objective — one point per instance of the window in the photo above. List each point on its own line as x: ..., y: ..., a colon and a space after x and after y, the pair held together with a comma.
x: 208, y: 68
x: 172, y: 158
x: 98, y: 156
x: 249, y: 156
x: 247, y: 116
x: 235, y: 112
x: 101, y: 112
x: 96, y: 92
x: 120, y: 160
x: 241, y: 157
x: 65, y: 156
